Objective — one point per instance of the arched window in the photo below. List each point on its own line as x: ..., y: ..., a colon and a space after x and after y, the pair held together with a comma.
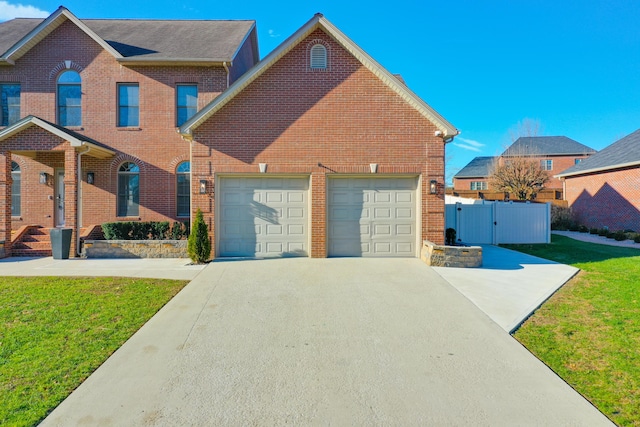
x: 16, y: 188
x: 128, y: 189
x: 318, y: 57
x: 69, y: 99
x: 183, y: 189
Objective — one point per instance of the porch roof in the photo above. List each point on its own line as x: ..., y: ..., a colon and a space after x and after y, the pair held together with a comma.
x: 94, y: 148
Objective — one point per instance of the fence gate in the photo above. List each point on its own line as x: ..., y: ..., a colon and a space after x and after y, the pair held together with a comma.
x: 499, y: 222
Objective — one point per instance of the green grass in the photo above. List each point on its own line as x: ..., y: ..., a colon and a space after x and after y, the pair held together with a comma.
x: 589, y: 331
x: 55, y: 331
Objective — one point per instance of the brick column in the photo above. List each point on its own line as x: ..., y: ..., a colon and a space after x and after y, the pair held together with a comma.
x: 71, y: 195
x: 318, y: 215
x: 5, y: 204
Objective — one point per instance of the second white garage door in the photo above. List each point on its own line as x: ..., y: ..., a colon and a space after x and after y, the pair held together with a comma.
x: 263, y: 217
x: 372, y: 217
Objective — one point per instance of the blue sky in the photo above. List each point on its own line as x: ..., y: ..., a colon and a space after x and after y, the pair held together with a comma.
x: 573, y: 66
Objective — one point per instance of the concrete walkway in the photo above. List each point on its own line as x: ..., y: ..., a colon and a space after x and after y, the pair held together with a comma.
x: 510, y: 285
x: 322, y: 342
x: 594, y: 238
x: 173, y: 268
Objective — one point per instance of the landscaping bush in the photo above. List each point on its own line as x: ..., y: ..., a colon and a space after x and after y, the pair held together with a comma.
x: 593, y: 231
x: 561, y: 218
x: 583, y: 229
x: 603, y: 232
x: 574, y: 227
x: 450, y: 236
x: 620, y: 235
x: 149, y: 230
x: 637, y: 238
x: 199, y: 246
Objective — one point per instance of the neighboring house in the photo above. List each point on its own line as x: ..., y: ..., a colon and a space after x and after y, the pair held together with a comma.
x: 603, y: 190
x: 475, y: 175
x: 316, y: 151
x: 554, y: 153
x: 90, y: 110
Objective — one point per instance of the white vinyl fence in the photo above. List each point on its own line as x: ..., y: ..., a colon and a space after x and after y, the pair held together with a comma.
x: 500, y: 222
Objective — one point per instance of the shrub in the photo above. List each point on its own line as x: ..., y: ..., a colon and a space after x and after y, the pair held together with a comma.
x: 179, y: 230
x: 199, y: 246
x: 450, y: 236
x: 561, y: 218
x: 603, y: 232
x: 150, y: 230
x: 637, y: 238
x: 583, y: 229
x: 593, y: 231
x: 619, y: 235
x: 574, y: 227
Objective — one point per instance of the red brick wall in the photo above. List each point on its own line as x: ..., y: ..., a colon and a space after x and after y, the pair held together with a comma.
x: 155, y: 145
x: 345, y: 118
x: 610, y: 199
x: 465, y: 183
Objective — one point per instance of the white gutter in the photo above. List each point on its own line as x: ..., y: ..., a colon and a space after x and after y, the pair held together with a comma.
x: 226, y: 67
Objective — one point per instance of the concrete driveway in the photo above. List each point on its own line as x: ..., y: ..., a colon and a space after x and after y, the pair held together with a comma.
x: 322, y: 342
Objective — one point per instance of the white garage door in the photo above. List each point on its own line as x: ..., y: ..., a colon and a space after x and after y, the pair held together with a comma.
x: 263, y: 217
x: 374, y: 217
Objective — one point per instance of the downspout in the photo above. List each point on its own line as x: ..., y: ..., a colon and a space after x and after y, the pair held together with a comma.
x: 79, y: 200
x: 226, y: 67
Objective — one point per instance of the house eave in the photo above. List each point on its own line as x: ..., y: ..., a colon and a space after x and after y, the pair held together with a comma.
x: 318, y: 21
x: 46, y: 27
x: 193, y: 62
x: 600, y: 169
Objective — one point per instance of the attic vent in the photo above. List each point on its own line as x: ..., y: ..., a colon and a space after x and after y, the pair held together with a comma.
x: 318, y: 57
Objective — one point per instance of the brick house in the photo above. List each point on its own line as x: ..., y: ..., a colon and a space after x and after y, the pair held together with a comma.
x: 89, y: 115
x: 319, y: 151
x: 554, y: 153
x: 603, y: 190
x: 315, y: 151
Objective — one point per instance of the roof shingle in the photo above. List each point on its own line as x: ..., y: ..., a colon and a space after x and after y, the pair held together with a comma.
x: 546, y: 146
x: 206, y: 40
x: 624, y: 152
x: 479, y: 167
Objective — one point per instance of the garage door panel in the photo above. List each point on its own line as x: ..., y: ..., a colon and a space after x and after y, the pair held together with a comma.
x: 372, y: 217
x: 263, y: 217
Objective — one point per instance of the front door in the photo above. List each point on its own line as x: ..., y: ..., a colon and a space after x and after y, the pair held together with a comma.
x: 59, y: 198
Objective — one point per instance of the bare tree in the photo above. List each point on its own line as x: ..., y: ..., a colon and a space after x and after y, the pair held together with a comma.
x: 520, y: 176
x: 525, y: 127
x: 518, y: 173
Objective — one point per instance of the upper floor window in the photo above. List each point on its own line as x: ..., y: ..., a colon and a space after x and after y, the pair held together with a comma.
x: 128, y: 189
x: 577, y: 161
x: 186, y: 102
x: 16, y: 189
x: 70, y: 99
x: 546, y: 165
x: 9, y: 103
x: 479, y: 185
x: 318, y: 57
x: 128, y: 104
x: 183, y: 188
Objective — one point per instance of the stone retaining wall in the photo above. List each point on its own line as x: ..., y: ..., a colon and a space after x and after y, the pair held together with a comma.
x: 451, y: 256
x: 134, y: 249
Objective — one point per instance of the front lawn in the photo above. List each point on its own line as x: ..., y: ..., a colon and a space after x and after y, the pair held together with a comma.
x: 55, y: 331
x: 589, y: 331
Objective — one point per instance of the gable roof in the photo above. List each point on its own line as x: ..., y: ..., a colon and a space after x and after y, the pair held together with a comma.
x: 318, y: 21
x: 623, y: 153
x: 546, y: 146
x: 136, y: 41
x: 479, y: 167
x: 77, y: 140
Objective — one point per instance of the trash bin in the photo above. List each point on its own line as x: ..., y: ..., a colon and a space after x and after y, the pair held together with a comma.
x: 60, y: 242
